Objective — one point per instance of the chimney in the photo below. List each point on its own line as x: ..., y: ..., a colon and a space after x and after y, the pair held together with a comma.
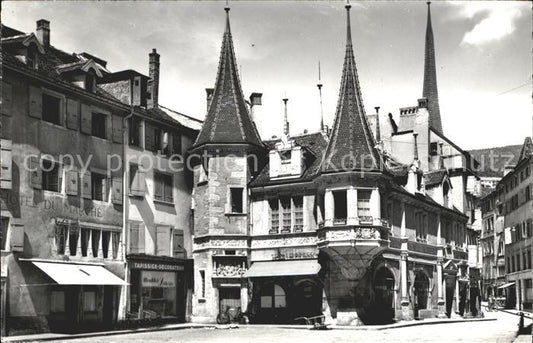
x: 423, y: 103
x: 209, y: 96
x: 285, y: 118
x: 153, y: 83
x: 256, y: 113
x: 43, y: 32
x: 412, y: 176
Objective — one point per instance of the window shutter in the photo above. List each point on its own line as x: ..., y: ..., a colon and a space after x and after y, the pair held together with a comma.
x: 36, y: 175
x: 36, y: 102
x: 176, y: 143
x: 158, y: 187
x: 149, y: 137
x: 7, y: 99
x: 7, y: 162
x: 73, y: 113
x: 177, y: 244
x: 116, y: 193
x: 86, y: 187
x: 134, y: 238
x: 117, y: 129
x: 86, y: 119
x: 17, y: 237
x: 72, y: 182
x: 138, y: 185
x: 105, y: 196
x: 162, y: 240
x: 168, y: 188
x: 142, y: 229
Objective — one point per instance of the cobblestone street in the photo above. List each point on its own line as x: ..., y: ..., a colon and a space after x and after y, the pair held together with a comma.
x: 500, y: 331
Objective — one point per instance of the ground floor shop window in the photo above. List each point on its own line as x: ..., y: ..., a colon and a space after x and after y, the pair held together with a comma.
x: 273, y: 296
x: 89, y: 301
x: 158, y: 292
x: 57, y: 302
x: 230, y: 297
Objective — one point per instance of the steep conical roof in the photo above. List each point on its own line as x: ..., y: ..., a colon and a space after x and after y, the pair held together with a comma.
x: 228, y: 120
x: 430, y: 90
x: 352, y: 145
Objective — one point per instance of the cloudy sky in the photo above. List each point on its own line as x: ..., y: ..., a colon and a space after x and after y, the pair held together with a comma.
x: 483, y: 55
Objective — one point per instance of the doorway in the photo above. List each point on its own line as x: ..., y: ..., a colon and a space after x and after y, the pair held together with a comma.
x: 421, y: 293
x: 383, y: 297
x: 307, y: 299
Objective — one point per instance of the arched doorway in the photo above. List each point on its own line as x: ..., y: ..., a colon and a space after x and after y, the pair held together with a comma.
x: 272, y: 304
x: 383, y: 297
x: 421, y: 292
x: 307, y: 299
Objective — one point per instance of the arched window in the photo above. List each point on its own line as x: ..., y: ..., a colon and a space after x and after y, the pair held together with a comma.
x: 273, y: 296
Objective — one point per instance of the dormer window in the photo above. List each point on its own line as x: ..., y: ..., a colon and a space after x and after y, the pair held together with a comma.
x: 285, y: 157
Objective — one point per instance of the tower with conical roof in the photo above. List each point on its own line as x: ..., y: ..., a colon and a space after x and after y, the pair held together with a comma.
x: 352, y: 144
x: 229, y: 148
x: 350, y: 182
x: 429, y: 90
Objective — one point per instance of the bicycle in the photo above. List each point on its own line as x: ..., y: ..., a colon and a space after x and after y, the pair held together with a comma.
x: 232, y: 315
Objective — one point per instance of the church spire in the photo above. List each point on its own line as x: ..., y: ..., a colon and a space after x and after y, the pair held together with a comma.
x: 430, y: 91
x: 227, y: 120
x: 352, y: 144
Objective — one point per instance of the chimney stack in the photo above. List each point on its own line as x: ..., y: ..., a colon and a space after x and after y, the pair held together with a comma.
x: 285, y: 118
x: 43, y: 32
x: 208, y: 96
x: 153, y: 83
x: 256, y: 113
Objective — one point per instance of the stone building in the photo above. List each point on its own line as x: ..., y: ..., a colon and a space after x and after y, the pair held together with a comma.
x: 515, y: 193
x: 62, y: 239
x: 157, y: 218
x: 493, y: 245
x: 67, y: 261
x: 315, y: 224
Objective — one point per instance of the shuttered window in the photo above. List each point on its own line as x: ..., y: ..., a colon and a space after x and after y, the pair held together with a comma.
x: 4, y: 224
x: 73, y: 114
x: 134, y: 132
x: 98, y: 184
x: 86, y: 119
x: 136, y: 237
x: 51, y: 109
x: 115, y: 236
x: 95, y: 241
x: 106, y: 238
x: 85, y: 235
x: 73, y: 235
x: 137, y: 181
x: 163, y: 187
x: 117, y: 129
x: 162, y: 240
x: 7, y: 99
x: 236, y: 194
x: 149, y: 137
x: 36, y: 100
x: 61, y: 238
x: 99, y: 125
x: 6, y: 173
x: 178, y: 249
x: 116, y: 192
x: 50, y: 176
x: 176, y: 143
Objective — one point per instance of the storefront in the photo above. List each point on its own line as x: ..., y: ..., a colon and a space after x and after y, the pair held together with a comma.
x: 159, y: 287
x: 285, y: 290
x: 80, y: 296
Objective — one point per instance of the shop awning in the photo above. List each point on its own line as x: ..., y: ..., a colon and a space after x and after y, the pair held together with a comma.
x: 283, y: 268
x: 506, y: 285
x: 79, y: 274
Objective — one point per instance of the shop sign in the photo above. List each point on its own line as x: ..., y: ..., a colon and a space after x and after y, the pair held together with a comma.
x: 158, y: 279
x: 155, y: 266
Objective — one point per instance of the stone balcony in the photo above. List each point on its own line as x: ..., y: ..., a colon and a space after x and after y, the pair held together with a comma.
x: 353, y: 243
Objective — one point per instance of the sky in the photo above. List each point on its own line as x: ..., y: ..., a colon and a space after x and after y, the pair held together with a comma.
x: 483, y: 55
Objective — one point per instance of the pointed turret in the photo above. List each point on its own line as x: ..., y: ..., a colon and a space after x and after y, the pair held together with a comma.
x: 352, y: 144
x: 430, y: 91
x: 227, y: 120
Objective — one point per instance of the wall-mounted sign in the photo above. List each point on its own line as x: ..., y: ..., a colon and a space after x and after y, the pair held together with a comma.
x: 156, y: 266
x: 151, y: 278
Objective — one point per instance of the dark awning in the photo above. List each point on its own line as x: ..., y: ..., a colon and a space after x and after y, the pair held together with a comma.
x: 283, y: 268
